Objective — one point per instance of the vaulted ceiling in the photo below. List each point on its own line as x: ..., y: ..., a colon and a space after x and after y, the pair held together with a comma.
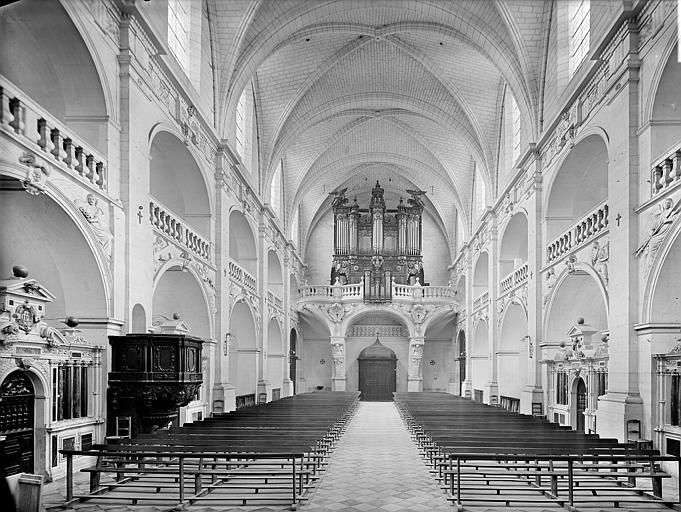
x: 410, y: 90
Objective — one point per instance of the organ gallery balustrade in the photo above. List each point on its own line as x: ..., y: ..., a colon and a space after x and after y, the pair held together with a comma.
x: 167, y: 222
x: 596, y: 222
x: 355, y: 293
x: 34, y: 127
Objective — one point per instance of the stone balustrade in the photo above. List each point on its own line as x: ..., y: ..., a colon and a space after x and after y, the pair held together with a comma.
x: 275, y: 300
x: 588, y: 226
x: 46, y: 136
x: 169, y: 223
x: 355, y: 293
x: 481, y: 301
x: 666, y: 171
x: 241, y: 276
x: 514, y: 279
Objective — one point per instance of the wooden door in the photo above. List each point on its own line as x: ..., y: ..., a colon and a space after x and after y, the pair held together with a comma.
x: 16, y: 422
x: 377, y: 379
x: 581, y: 404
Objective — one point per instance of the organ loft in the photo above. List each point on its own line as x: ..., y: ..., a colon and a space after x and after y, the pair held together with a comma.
x: 377, y: 246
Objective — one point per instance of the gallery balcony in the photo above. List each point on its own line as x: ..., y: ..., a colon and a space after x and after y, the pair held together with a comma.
x: 171, y: 226
x: 358, y: 293
x: 583, y: 231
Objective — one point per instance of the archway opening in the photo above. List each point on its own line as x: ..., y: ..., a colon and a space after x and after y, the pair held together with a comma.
x: 480, y: 359
x: 480, y: 279
x: 579, y: 187
x: 666, y: 115
x: 138, y: 322
x: 275, y: 279
x: 177, y: 182
x: 461, y: 356
x: 437, y: 363
x: 293, y: 359
x: 316, y: 359
x: 275, y: 357
x: 513, y: 250
x: 45, y: 56
x: 178, y: 291
x: 666, y: 300
x: 512, y: 363
x: 577, y: 296
x: 242, y: 243
x: 243, y: 351
x: 579, y: 403
x: 69, y: 269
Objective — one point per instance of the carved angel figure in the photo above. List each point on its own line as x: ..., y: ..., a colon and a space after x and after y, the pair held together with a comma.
x: 94, y: 215
x: 657, y: 232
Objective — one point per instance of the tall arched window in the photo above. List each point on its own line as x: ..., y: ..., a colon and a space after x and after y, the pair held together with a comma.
x: 245, y: 126
x: 578, y: 27
x: 295, y: 228
x: 478, y: 195
x: 276, y: 192
x: 178, y: 30
x: 515, y: 118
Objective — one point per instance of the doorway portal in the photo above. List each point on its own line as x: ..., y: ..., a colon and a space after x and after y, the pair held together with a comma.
x: 377, y: 373
x: 17, y: 400
x: 580, y: 403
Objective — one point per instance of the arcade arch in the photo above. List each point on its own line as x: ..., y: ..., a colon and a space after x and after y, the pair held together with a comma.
x: 481, y: 276
x: 275, y: 279
x: 177, y: 182
x: 513, y: 249
x: 512, y: 363
x: 275, y: 355
x: 580, y: 185
x: 243, y: 350
x: 41, y: 45
x: 69, y: 269
x: 666, y: 116
x: 480, y: 363
x: 178, y: 291
x: 242, y: 249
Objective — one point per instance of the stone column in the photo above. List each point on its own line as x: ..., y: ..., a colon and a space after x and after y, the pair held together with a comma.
x: 338, y: 351
x: 415, y: 374
x: 491, y: 388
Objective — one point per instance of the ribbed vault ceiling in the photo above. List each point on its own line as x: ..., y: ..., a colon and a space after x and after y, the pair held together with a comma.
x: 348, y: 91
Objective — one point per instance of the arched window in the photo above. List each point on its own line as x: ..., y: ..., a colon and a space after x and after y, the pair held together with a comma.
x: 295, y: 228
x: 515, y: 118
x: 478, y: 195
x: 244, y: 126
x: 578, y: 27
x: 178, y: 30
x: 276, y: 193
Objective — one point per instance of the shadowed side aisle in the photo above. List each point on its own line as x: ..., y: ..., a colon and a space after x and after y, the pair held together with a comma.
x: 376, y: 467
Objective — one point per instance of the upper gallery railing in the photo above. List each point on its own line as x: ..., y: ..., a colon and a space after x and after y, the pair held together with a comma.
x: 666, y: 171
x: 515, y: 278
x: 589, y: 226
x: 355, y: 292
x: 47, y: 136
x: 242, y: 276
x: 163, y: 219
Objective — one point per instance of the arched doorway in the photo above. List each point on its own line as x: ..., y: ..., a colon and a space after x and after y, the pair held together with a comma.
x: 377, y: 373
x: 579, y: 402
x: 293, y: 358
x: 462, y: 357
x: 17, y: 398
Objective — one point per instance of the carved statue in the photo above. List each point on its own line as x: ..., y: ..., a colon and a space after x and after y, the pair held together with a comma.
x: 94, y: 215
x: 599, y: 258
x: 415, y: 358
x: 657, y: 232
x: 415, y: 199
x: 339, y: 200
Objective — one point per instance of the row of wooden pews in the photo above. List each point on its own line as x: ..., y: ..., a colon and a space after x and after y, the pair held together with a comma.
x: 484, y: 454
x: 267, y: 455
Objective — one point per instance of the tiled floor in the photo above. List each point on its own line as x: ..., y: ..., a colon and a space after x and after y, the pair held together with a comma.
x: 376, y: 467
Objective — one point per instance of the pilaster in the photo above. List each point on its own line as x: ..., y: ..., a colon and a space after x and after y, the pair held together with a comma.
x: 415, y: 373
x: 338, y: 381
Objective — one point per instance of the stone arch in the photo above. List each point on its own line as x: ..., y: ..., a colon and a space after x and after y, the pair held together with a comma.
x: 665, y: 115
x: 74, y: 269
x: 275, y: 354
x: 513, y: 247
x: 359, y: 312
x: 481, y: 275
x: 177, y: 289
x: 578, y: 294
x: 177, y: 181
x: 512, y: 360
x: 275, y: 278
x: 578, y: 186
x: 242, y: 246
x: 243, y: 349
x: 42, y: 45
x: 664, y: 65
x: 480, y: 355
x: 661, y: 303
x: 138, y: 319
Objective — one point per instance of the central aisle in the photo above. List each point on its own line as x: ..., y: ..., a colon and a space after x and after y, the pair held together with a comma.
x: 376, y: 467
